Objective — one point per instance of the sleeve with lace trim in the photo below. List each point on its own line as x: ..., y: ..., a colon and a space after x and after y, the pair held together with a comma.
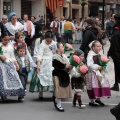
x: 12, y: 55
x: 40, y: 52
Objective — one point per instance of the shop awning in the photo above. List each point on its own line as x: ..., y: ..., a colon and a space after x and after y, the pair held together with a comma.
x: 52, y: 5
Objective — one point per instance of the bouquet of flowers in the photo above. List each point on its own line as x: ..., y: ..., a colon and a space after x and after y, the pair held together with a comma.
x: 103, y: 61
x: 83, y: 69
x: 78, y: 27
x: 67, y: 47
x: 74, y: 60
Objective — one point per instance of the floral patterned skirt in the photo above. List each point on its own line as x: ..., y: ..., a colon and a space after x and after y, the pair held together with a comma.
x: 42, y: 81
x: 95, y: 88
x: 10, y: 83
x: 35, y: 85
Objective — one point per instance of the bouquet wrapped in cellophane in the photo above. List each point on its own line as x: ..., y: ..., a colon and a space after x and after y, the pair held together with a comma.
x: 68, y: 47
x: 74, y: 60
x: 103, y: 61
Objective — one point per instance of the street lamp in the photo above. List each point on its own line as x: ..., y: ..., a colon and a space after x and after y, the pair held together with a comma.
x: 83, y: 3
x: 103, y: 13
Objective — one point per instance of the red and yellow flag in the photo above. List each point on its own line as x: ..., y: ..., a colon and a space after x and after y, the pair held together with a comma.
x: 52, y: 5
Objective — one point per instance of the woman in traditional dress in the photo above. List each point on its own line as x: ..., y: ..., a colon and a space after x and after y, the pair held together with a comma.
x: 10, y: 84
x: 61, y: 78
x: 97, y: 83
x: 42, y: 80
x: 13, y: 26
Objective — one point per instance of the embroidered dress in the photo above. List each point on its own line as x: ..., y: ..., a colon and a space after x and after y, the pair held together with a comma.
x: 10, y: 84
x: 95, y: 86
x: 42, y: 81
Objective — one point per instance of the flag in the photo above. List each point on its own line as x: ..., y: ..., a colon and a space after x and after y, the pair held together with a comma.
x: 52, y: 5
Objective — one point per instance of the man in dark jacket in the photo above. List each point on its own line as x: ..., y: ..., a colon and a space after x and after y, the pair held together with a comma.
x: 42, y: 22
x: 109, y: 26
x: 114, y: 52
x: 89, y: 35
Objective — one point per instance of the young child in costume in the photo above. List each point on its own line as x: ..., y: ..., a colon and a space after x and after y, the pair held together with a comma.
x: 78, y: 80
x: 42, y: 80
x: 19, y: 37
x: 97, y: 83
x: 24, y: 65
x: 10, y: 84
x: 61, y: 78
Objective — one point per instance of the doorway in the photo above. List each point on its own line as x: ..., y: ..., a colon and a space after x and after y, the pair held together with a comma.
x: 26, y: 8
x: 75, y: 13
x: 65, y: 12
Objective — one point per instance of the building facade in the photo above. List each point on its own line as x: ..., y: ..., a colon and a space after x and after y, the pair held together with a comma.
x: 70, y: 8
x: 30, y: 7
x: 111, y: 6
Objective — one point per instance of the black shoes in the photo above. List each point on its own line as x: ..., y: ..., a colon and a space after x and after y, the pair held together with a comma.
x: 100, y: 102
x: 41, y: 98
x: 116, y: 111
x: 93, y: 104
x: 20, y: 99
x: 60, y: 109
x: 115, y: 87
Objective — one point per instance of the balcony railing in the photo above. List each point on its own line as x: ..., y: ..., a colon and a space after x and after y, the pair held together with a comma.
x: 106, y: 1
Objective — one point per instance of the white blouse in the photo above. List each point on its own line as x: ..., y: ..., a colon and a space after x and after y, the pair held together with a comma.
x: 13, y: 29
x: 8, y: 52
x: 44, y: 51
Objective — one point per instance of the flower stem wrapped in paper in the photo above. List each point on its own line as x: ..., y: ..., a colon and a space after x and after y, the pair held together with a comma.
x: 67, y: 47
x: 74, y: 60
x: 1, y: 52
x: 103, y: 61
x: 2, y: 58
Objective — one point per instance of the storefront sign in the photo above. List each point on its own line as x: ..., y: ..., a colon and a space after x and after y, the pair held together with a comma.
x: 61, y: 3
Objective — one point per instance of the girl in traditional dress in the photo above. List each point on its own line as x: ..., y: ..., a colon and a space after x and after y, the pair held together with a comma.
x: 42, y: 80
x: 10, y: 84
x: 96, y: 80
x: 78, y: 80
x: 61, y: 78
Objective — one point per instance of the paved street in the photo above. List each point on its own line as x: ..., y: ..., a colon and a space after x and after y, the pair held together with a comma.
x: 33, y: 109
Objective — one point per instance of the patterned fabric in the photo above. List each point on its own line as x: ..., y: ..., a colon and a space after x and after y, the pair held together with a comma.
x: 10, y: 84
x: 95, y: 88
x: 27, y: 63
x: 35, y: 85
x: 42, y: 81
